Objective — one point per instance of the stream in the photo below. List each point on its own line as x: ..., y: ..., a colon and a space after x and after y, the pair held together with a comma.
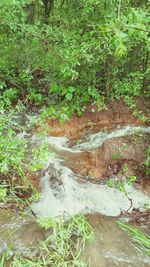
x: 63, y: 194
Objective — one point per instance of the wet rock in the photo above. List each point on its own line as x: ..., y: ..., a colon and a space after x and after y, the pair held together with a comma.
x: 109, y: 159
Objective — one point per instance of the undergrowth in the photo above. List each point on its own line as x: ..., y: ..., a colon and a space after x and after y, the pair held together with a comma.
x: 15, y: 187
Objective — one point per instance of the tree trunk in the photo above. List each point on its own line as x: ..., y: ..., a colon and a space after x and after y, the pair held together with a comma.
x: 145, y: 78
x: 48, y: 5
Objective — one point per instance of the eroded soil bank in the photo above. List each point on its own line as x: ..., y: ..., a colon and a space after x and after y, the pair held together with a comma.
x: 93, y: 120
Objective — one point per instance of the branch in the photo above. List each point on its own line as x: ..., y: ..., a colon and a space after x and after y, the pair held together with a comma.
x: 135, y: 28
x: 118, y: 28
x: 119, y: 9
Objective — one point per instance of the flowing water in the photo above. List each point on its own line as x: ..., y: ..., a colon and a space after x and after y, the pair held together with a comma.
x: 63, y: 195
x: 73, y: 197
x: 19, y: 233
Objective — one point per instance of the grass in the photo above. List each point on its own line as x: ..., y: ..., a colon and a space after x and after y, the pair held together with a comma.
x: 62, y: 247
x: 140, y: 238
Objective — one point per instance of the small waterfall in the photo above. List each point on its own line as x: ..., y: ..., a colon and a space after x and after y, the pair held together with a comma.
x: 88, y: 197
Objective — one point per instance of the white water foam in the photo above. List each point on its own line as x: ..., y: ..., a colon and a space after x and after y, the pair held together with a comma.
x: 94, y: 140
x: 72, y: 197
x: 84, y: 198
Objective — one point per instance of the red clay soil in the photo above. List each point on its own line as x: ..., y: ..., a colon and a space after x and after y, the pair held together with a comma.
x: 116, y: 113
x: 35, y: 180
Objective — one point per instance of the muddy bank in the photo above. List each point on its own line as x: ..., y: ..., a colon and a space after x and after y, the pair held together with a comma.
x: 116, y: 113
x: 138, y: 219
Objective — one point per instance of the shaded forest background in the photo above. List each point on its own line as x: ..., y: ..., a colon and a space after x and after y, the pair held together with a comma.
x: 61, y: 53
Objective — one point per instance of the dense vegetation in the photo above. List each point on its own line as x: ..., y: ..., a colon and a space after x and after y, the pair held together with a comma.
x: 72, y: 52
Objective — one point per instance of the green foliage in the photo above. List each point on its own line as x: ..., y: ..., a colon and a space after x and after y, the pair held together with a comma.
x: 46, y: 222
x: 131, y: 180
x: 111, y: 182
x: 60, y: 248
x: 13, y: 164
x: 115, y: 155
x: 34, y: 197
x: 12, y: 152
x: 35, y: 97
x: 40, y: 155
x: 139, y: 114
x: 127, y: 87
x: 75, y: 54
x: 125, y: 167
x: 141, y: 239
x: 12, y: 147
x: 3, y: 194
x: 120, y: 185
x: 129, y: 100
x: 9, y: 95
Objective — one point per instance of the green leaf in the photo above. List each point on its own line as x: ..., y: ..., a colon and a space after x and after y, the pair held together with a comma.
x: 131, y: 180
x: 121, y: 186
x: 69, y: 96
x: 111, y: 182
x: 121, y: 50
x: 4, y: 167
x: 63, y: 117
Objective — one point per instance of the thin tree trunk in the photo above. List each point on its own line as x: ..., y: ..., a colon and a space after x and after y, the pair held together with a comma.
x: 145, y: 78
x: 48, y: 5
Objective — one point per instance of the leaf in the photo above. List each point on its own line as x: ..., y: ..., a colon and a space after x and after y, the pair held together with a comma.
x: 4, y: 167
x: 131, y: 180
x: 121, y: 50
x: 69, y: 96
x: 111, y: 182
x: 121, y: 186
x: 63, y: 117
